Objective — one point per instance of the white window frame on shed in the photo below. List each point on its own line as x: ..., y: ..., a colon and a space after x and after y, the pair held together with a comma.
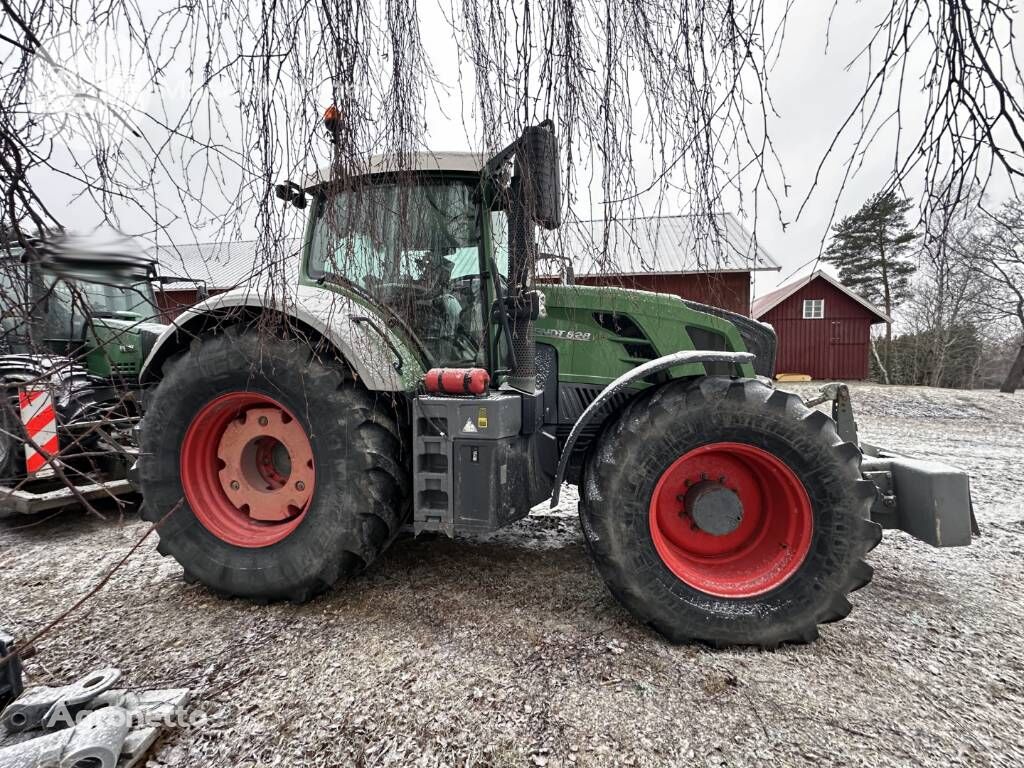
x: 814, y: 309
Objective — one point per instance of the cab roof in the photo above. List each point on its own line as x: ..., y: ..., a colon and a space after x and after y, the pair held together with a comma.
x: 415, y: 162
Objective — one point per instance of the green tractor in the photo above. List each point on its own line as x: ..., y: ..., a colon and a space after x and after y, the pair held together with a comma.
x: 417, y: 376
x: 70, y: 356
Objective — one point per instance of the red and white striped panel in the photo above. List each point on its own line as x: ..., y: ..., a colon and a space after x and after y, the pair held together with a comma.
x: 40, y: 422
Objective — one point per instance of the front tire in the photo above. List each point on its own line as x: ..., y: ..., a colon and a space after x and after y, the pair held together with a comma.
x: 289, y: 475
x: 727, y: 512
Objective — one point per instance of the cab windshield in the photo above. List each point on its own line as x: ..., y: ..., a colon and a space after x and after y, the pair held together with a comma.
x: 414, y: 248
x: 108, y: 300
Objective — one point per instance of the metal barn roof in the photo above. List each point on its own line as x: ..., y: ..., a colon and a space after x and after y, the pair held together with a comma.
x: 636, y: 246
x: 222, y: 265
x: 659, y: 245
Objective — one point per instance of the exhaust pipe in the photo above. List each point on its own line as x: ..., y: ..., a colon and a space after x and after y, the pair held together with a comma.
x: 535, y: 199
x: 522, y: 260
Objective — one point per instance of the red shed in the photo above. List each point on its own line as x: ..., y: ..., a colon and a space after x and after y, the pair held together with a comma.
x: 824, y: 328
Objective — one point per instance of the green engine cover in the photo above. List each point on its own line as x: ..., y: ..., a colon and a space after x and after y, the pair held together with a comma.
x: 601, y: 332
x: 117, y: 348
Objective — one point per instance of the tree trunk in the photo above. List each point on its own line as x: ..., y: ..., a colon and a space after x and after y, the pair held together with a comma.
x: 940, y: 345
x: 1013, y: 378
x: 878, y: 361
x: 887, y: 300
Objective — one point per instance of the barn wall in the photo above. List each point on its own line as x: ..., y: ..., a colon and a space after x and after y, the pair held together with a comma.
x: 729, y: 290
x: 835, y: 347
x: 173, y: 302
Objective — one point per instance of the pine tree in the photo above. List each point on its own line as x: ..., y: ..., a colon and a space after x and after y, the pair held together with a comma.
x: 870, y: 250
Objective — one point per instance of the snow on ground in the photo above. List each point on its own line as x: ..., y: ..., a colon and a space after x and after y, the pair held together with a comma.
x: 509, y: 651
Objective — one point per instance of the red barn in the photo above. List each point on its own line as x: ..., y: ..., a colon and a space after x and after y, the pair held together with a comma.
x: 683, y: 255
x: 824, y: 328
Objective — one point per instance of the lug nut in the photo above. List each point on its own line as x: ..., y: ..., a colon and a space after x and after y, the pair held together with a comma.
x: 300, y: 486
x: 264, y: 421
x: 235, y: 485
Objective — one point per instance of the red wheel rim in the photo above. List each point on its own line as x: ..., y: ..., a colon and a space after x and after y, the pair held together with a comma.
x: 247, y: 469
x: 767, y: 543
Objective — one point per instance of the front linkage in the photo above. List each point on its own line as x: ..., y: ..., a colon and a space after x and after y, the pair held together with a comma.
x: 927, y: 499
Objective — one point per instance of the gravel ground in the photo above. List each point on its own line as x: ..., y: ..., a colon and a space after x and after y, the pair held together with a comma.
x: 509, y: 651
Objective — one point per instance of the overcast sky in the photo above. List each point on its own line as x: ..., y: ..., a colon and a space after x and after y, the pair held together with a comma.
x: 812, y: 94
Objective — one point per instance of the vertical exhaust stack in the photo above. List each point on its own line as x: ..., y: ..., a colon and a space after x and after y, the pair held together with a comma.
x: 522, y: 260
x: 535, y: 196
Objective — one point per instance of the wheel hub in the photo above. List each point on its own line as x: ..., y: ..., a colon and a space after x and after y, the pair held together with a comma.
x: 247, y: 469
x: 714, y: 508
x: 267, y: 466
x: 731, y: 520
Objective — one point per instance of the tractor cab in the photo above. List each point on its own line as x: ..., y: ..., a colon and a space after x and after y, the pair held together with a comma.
x: 445, y: 243
x: 70, y: 309
x: 424, y: 262
x: 110, y: 325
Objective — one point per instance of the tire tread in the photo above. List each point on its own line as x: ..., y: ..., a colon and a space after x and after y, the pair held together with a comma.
x: 616, y: 560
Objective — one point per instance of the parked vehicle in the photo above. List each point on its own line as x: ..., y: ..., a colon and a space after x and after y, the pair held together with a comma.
x: 70, y: 356
x: 415, y: 375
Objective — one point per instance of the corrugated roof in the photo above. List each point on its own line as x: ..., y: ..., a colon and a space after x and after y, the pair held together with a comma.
x: 763, y: 304
x: 222, y: 265
x: 659, y: 245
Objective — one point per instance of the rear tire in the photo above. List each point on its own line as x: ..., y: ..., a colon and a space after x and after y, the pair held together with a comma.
x: 75, y: 395
x: 12, y: 454
x: 351, y: 514
x: 798, y: 490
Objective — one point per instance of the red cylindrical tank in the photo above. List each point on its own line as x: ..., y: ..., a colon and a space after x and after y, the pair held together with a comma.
x: 456, y: 381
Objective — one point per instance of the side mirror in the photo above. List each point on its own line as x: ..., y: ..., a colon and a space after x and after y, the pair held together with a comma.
x: 537, y: 162
x: 290, y: 192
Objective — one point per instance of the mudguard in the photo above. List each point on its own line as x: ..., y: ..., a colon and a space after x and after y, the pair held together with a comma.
x: 381, y: 359
x: 625, y: 380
